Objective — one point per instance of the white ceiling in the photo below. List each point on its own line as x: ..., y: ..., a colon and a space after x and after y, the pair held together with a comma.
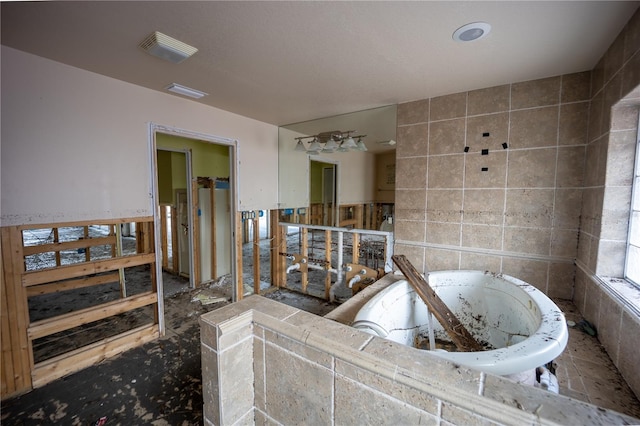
x: 286, y: 62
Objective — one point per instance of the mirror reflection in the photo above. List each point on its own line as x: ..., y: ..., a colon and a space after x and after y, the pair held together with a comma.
x: 339, y: 171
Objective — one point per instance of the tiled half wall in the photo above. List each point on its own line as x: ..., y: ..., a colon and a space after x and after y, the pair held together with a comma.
x: 268, y: 363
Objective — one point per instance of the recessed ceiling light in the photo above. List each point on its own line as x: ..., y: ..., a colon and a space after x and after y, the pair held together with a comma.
x: 167, y: 48
x: 472, y: 31
x: 185, y: 91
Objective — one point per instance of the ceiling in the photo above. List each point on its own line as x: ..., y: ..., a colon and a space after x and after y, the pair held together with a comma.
x: 287, y: 62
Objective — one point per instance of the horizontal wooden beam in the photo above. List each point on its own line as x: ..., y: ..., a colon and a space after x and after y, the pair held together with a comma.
x: 87, y: 223
x: 85, y: 268
x: 80, y: 317
x: 36, y: 290
x: 69, y: 245
x: 89, y: 355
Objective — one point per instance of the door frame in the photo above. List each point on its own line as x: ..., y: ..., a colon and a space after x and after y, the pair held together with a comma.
x: 335, y: 218
x: 232, y: 144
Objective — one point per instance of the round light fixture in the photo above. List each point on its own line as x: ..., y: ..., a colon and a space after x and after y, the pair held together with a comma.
x: 472, y: 31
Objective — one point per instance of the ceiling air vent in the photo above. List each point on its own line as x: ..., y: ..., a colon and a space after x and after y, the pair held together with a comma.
x: 167, y: 48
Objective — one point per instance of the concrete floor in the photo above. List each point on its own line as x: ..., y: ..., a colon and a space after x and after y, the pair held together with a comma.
x: 160, y: 382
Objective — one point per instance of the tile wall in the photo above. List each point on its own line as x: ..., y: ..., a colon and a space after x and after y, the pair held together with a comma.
x: 268, y: 363
x: 552, y: 208
x: 492, y: 179
x: 612, y: 132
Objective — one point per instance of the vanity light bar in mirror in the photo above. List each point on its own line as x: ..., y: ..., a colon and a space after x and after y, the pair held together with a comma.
x: 329, y: 142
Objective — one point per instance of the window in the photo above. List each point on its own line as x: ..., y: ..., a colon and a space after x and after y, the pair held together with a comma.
x: 632, y: 267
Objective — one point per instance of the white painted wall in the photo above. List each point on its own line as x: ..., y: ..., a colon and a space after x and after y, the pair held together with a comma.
x: 75, y: 144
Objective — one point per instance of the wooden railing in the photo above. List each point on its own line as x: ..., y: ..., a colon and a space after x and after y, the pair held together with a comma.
x: 24, y: 281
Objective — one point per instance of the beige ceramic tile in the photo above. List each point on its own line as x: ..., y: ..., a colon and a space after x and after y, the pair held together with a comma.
x: 380, y: 409
x: 573, y: 126
x: 495, y: 174
x: 484, y: 206
x: 567, y: 208
x: 410, y: 204
x: 482, y: 236
x: 445, y: 171
x: 535, y: 93
x: 620, y: 157
x: 441, y: 259
x: 490, y: 100
x: 611, y: 256
x: 448, y: 106
x: 596, y: 113
x: 414, y: 254
x: 411, y: 172
x: 447, y: 137
x: 487, y: 132
x: 532, y: 168
x: 534, y: 128
x: 629, y: 356
x: 529, y: 207
x: 624, y: 117
x: 533, y: 272
x: 443, y: 233
x: 480, y: 262
x: 561, y: 278
x: 576, y: 87
x: 293, y: 397
x: 570, y: 169
x: 564, y: 243
x: 413, y: 112
x: 444, y: 205
x: 631, y: 75
x: 412, y: 140
x: 408, y: 230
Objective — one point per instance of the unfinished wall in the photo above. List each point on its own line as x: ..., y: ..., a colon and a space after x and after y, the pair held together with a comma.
x: 75, y: 145
x: 613, y: 131
x: 267, y: 363
x: 492, y: 179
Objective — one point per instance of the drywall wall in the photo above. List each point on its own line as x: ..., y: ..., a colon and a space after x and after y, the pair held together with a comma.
x: 76, y: 144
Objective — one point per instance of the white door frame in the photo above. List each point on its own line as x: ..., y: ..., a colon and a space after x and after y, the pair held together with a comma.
x: 154, y: 196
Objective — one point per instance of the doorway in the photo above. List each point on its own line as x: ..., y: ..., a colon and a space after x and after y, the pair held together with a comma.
x: 195, y: 182
x: 323, y: 193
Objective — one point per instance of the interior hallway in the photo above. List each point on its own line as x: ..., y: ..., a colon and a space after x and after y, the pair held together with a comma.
x: 160, y: 383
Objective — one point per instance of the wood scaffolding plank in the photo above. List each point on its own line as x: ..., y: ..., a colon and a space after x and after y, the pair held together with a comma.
x: 72, y: 284
x: 238, y: 241
x: 327, y: 279
x: 86, y: 356
x: 256, y: 252
x: 304, y: 250
x: 81, y: 269
x: 274, y: 246
x: 56, y: 240
x: 196, y: 233
x: 80, y: 317
x: 18, y: 313
x: 84, y: 243
x: 87, y: 223
x: 355, y: 248
x: 7, y: 378
x: 463, y: 340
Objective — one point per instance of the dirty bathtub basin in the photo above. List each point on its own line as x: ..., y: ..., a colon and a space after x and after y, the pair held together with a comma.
x: 522, y: 327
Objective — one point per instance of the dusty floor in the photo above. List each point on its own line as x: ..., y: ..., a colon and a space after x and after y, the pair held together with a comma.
x: 158, y: 383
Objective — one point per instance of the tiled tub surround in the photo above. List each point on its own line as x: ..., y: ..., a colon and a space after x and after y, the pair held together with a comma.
x: 521, y: 215
x: 557, y: 197
x: 268, y: 363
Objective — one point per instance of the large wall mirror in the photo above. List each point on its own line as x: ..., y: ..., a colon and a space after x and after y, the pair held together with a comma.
x: 326, y: 176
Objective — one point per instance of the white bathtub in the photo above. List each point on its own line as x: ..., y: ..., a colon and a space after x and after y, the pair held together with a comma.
x: 524, y: 328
